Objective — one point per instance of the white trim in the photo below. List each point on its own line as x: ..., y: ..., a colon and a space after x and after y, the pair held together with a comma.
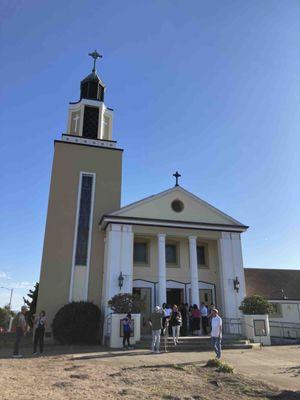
x: 175, y: 224
x: 174, y: 189
x: 90, y: 142
x: 87, y: 102
x: 76, y: 232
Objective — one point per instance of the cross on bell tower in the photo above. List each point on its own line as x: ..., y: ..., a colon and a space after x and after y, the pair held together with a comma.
x: 95, y: 55
x: 177, y: 176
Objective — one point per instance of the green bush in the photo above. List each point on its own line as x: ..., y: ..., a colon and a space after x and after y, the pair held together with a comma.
x: 126, y: 303
x: 220, y: 366
x: 256, y: 305
x: 213, y: 363
x: 225, y: 368
x: 77, y: 323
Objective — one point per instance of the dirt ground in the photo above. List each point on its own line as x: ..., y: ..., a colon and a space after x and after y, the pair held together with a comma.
x: 87, y: 373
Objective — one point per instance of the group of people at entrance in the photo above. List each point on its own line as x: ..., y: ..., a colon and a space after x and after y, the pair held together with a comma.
x: 21, y: 325
x: 167, y: 320
x: 194, y: 320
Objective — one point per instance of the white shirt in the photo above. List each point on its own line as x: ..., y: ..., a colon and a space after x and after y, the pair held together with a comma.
x: 167, y: 312
x: 216, y: 326
x: 203, y: 311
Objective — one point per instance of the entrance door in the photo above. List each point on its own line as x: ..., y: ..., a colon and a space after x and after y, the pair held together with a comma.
x: 145, y: 295
x: 205, y: 296
x: 175, y: 296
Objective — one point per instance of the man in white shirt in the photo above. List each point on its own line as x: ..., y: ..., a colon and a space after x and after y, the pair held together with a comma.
x: 216, y: 332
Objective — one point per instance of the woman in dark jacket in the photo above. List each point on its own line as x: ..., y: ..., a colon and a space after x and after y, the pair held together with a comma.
x: 175, y: 323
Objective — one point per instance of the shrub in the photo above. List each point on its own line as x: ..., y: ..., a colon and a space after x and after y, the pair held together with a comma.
x: 256, y: 305
x: 225, y: 368
x: 126, y: 303
x: 220, y: 366
x: 77, y: 323
x: 213, y: 363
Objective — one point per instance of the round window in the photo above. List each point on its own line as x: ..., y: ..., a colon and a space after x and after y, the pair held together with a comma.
x: 177, y: 205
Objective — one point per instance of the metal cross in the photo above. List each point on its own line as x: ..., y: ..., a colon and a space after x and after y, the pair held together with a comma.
x: 95, y: 55
x: 176, y: 176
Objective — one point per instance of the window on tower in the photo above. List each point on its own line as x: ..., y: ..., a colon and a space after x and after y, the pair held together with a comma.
x: 83, y: 228
x: 90, y: 122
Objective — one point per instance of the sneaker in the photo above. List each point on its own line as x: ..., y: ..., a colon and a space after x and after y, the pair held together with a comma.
x: 35, y: 353
x: 17, y: 356
x: 157, y: 352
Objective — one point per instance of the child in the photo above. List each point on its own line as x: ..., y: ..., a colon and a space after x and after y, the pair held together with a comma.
x: 127, y: 329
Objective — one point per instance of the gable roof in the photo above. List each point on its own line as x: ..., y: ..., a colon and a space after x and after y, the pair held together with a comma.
x: 158, y: 208
x: 274, y: 284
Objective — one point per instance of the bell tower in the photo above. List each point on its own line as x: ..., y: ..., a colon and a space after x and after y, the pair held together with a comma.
x: 85, y: 184
x: 89, y: 117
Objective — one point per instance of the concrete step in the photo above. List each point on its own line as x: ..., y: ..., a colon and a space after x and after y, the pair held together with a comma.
x: 196, y: 343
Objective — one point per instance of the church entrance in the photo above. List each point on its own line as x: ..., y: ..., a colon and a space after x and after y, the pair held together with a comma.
x: 175, y: 296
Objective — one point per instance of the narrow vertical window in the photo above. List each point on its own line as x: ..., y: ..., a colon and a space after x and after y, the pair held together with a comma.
x: 106, y: 127
x: 83, y: 227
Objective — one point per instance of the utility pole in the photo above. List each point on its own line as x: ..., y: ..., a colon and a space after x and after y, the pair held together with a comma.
x: 11, y: 294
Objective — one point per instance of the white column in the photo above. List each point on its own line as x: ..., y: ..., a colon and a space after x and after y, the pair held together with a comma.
x: 112, y: 264
x: 162, y: 290
x: 194, y: 270
x: 127, y: 258
x: 118, y: 258
x: 231, y: 266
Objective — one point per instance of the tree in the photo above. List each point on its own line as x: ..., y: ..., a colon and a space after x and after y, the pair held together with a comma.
x: 126, y: 303
x: 256, y: 305
x: 31, y: 304
x: 5, y: 314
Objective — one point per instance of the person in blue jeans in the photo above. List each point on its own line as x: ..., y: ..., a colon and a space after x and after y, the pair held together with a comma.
x: 216, y: 332
x: 127, y: 329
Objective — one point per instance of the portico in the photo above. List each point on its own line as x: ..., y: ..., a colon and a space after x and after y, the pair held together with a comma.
x: 163, y: 258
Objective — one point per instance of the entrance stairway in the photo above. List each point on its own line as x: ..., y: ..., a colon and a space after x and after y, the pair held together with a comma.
x: 196, y: 343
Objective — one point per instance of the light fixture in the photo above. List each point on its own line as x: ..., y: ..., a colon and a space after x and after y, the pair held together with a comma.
x: 121, y: 280
x: 236, y: 284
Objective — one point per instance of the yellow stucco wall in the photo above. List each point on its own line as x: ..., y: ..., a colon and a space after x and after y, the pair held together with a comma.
x: 69, y: 160
x: 181, y: 272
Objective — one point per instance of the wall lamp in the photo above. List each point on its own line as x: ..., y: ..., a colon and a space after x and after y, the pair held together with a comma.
x: 121, y: 280
x: 236, y: 284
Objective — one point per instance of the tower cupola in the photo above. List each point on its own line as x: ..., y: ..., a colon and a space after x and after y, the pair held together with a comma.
x: 91, y: 87
x: 89, y: 117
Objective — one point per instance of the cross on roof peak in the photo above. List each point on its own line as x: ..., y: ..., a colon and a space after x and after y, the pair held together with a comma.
x: 177, y: 176
x: 95, y: 55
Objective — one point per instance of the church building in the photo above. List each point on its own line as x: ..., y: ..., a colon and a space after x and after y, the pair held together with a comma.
x: 171, y: 247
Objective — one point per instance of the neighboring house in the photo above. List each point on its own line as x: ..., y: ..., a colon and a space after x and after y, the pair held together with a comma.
x: 282, y: 288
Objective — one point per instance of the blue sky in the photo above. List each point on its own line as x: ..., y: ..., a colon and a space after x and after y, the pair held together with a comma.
x: 211, y: 88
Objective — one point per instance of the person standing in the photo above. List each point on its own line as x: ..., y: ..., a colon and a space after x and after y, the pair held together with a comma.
x: 204, y: 319
x: 155, y: 321
x: 184, y: 309
x: 196, y: 320
x: 216, y: 332
x: 175, y: 322
x: 21, y: 328
x: 40, y: 323
x: 127, y: 329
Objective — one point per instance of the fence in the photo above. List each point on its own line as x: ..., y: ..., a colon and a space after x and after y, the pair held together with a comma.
x: 284, y: 330
x: 232, y: 326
